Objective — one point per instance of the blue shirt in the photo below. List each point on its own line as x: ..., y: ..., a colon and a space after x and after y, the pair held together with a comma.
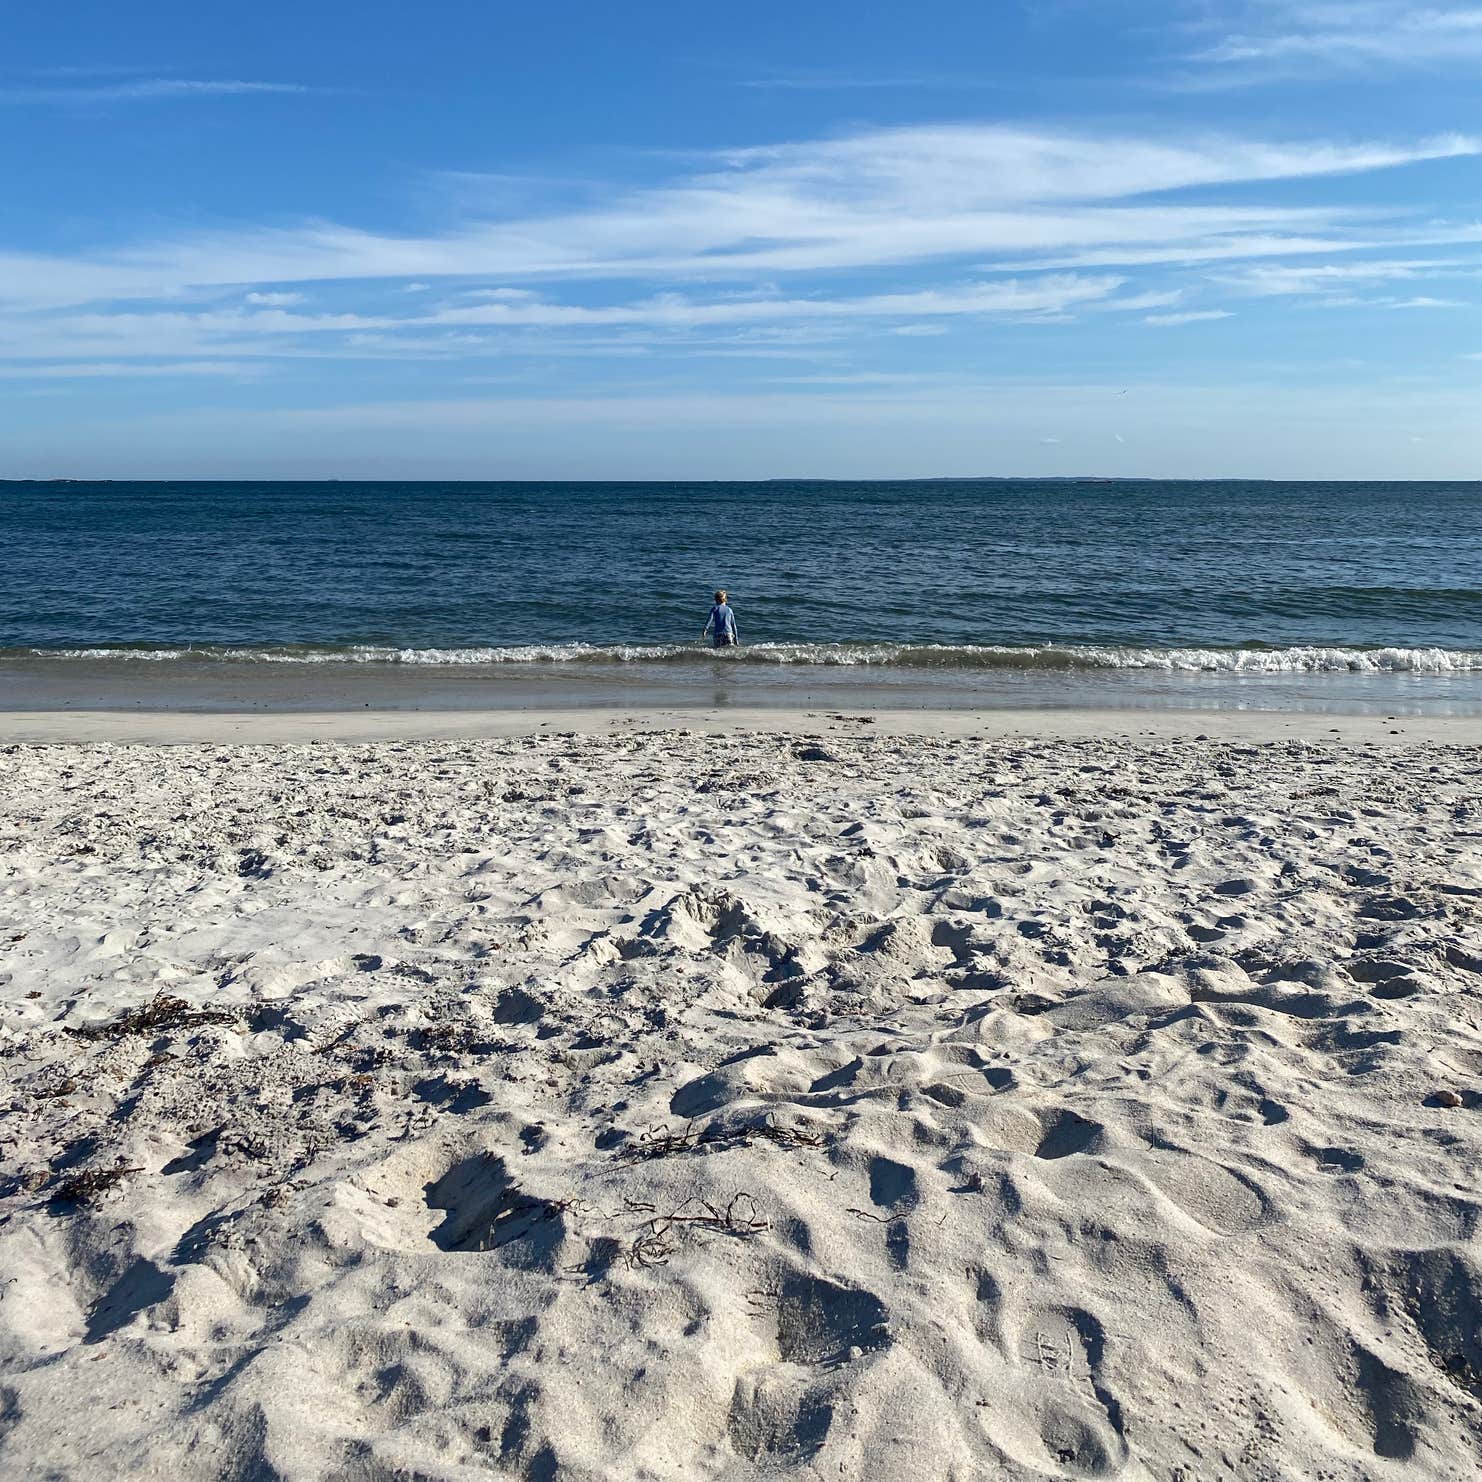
x: 723, y: 621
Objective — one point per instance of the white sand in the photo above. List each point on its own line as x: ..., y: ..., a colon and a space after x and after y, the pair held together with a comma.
x: 1045, y: 1108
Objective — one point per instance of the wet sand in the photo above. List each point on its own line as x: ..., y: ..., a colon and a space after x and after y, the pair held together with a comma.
x: 178, y: 726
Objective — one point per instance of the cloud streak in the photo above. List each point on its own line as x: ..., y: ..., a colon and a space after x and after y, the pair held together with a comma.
x: 127, y: 369
x: 1346, y: 285
x: 1188, y: 316
x: 1277, y: 279
x: 144, y: 90
x: 468, y: 326
x: 855, y: 81
x: 1046, y: 295
x: 1278, y: 37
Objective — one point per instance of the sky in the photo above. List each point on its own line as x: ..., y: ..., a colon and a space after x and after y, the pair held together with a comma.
x: 1167, y: 238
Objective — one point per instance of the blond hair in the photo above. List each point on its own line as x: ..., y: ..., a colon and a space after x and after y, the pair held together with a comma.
x: 720, y: 595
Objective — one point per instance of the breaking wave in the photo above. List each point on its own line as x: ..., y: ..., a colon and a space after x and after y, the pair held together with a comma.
x: 1252, y: 660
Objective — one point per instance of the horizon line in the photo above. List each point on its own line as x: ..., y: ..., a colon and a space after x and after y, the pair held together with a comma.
x: 974, y: 478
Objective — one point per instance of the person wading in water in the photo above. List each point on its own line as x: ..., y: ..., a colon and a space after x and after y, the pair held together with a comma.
x: 722, y: 623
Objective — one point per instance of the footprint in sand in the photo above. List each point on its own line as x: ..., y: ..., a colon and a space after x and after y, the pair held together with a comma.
x: 820, y: 1322
x: 1067, y: 1418
x: 893, y: 1188
x: 1065, y: 1134
x: 783, y: 1412
x: 1213, y: 1196
x: 1242, y: 886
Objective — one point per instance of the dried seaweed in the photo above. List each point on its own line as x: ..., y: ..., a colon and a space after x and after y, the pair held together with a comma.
x: 163, y: 1012
x: 90, y: 1185
x: 879, y: 1219
x: 656, y: 1143
x: 739, y: 1220
x: 62, y: 1088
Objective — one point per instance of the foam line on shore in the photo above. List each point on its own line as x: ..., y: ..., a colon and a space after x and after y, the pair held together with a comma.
x: 1251, y: 659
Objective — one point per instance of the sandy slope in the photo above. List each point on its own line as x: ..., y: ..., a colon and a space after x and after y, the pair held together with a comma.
x: 688, y: 1106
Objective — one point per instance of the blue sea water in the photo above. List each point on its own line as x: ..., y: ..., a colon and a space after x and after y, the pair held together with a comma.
x: 961, y: 583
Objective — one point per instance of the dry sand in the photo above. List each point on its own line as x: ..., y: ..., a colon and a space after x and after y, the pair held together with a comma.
x: 684, y: 1104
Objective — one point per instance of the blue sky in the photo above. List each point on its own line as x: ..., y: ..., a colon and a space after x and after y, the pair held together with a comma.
x: 1157, y: 237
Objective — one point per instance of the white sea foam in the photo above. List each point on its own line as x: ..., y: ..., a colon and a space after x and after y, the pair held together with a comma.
x: 1235, y: 661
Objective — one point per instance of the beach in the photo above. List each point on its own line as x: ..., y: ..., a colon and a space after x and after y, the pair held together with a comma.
x: 741, y: 744
x: 737, y: 1093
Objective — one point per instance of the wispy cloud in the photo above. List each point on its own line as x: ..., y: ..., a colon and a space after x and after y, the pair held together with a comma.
x: 1351, y: 233
x: 1051, y: 294
x: 1350, y: 285
x: 128, y: 369
x: 1355, y: 301
x: 143, y: 90
x: 1159, y: 298
x: 1274, y: 279
x: 1277, y: 37
x: 1346, y: 285
x: 859, y: 81
x: 928, y: 227
x: 872, y: 200
x: 461, y: 327
x: 1188, y: 316
x: 861, y: 378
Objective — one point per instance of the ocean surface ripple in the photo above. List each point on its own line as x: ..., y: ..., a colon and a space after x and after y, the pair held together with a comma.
x: 945, y: 577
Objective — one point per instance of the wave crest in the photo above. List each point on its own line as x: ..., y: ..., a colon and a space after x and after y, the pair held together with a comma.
x: 1252, y: 660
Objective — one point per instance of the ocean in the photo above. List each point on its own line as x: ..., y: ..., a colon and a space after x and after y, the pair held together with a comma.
x: 1362, y: 596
